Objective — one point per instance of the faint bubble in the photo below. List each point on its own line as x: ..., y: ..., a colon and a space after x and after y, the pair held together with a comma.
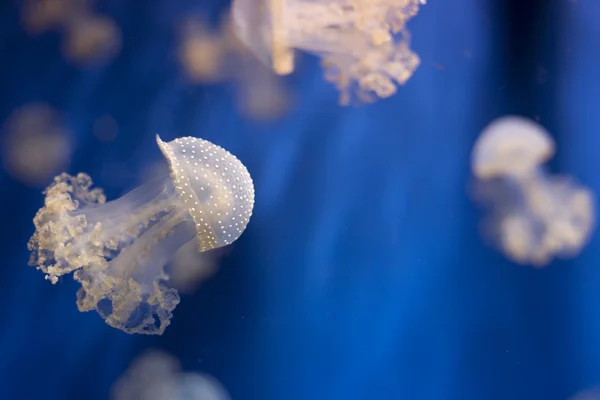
x: 106, y: 128
x: 36, y: 145
x: 91, y: 39
x: 364, y: 46
x: 156, y: 375
x: 533, y: 216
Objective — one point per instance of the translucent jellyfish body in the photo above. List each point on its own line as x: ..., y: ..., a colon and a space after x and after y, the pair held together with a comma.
x: 362, y: 43
x: 35, y: 144
x: 118, y: 250
x: 534, y: 216
x: 156, y: 375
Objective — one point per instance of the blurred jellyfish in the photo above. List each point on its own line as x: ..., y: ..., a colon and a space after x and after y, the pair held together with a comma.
x: 41, y: 15
x: 118, y: 250
x: 156, y: 375
x: 35, y: 144
x: 364, y: 44
x: 91, y: 39
x: 216, y: 55
x: 534, y: 216
x: 189, y: 267
x: 201, y: 52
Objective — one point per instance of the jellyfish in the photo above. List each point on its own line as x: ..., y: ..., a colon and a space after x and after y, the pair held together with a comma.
x: 36, y: 144
x: 91, y: 39
x: 535, y: 216
x: 156, y: 375
x: 117, y: 250
x: 41, y: 15
x: 362, y: 43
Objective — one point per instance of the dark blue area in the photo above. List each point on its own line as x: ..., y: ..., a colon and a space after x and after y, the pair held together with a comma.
x: 361, y: 274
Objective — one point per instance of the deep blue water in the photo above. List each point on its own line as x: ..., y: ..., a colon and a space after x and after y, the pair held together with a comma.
x: 361, y: 274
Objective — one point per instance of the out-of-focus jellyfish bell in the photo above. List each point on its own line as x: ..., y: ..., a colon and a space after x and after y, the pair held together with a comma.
x: 511, y: 146
x: 535, y: 217
x: 41, y: 15
x: 156, y: 375
x: 118, y: 250
x: 363, y: 42
x: 91, y: 39
x: 35, y: 144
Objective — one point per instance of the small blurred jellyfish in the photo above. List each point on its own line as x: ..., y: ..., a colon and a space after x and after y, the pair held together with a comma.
x: 189, y: 267
x: 534, y: 216
x: 35, y: 144
x: 39, y: 16
x: 118, y: 250
x: 201, y: 51
x: 364, y: 44
x: 89, y: 38
x: 216, y: 55
x: 156, y: 375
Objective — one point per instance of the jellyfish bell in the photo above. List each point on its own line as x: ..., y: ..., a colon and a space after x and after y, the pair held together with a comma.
x: 511, y: 146
x: 118, y: 249
x: 214, y: 186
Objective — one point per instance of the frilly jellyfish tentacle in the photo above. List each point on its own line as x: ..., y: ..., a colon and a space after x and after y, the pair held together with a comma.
x: 57, y: 226
x: 118, y: 250
x: 131, y: 293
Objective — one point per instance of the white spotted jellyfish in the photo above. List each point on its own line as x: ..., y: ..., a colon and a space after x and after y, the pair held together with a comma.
x: 363, y: 44
x: 118, y: 249
x: 534, y: 216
